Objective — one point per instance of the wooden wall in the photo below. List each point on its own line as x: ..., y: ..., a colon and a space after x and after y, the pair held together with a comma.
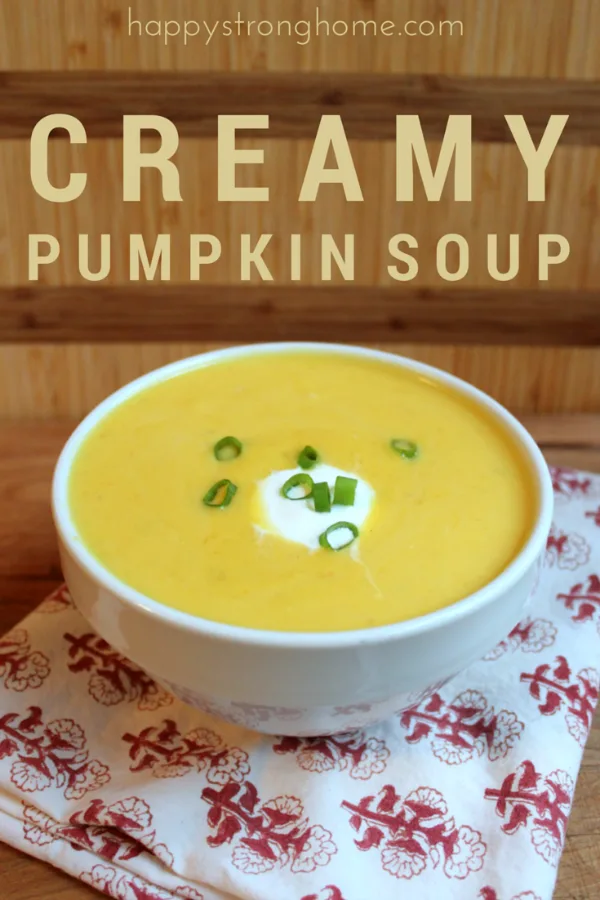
x: 508, y: 38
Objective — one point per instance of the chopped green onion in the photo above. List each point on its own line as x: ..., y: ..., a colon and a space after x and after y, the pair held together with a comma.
x: 227, y: 448
x: 300, y: 480
x: 344, y: 491
x: 308, y: 458
x: 406, y: 449
x: 349, y: 526
x: 321, y: 496
x: 213, y: 496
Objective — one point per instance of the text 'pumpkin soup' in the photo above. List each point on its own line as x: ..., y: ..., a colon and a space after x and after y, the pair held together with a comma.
x: 301, y: 490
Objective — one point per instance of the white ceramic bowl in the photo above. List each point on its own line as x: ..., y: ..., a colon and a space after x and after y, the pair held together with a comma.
x: 291, y: 683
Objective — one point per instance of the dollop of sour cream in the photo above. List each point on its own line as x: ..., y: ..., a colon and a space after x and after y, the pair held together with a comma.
x: 297, y: 520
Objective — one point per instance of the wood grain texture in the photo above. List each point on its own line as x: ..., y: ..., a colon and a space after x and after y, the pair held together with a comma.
x: 499, y: 206
x: 24, y: 878
x: 519, y: 38
x: 295, y: 103
x: 29, y: 569
x: 250, y: 314
x: 502, y: 38
x: 45, y: 381
x: 565, y: 432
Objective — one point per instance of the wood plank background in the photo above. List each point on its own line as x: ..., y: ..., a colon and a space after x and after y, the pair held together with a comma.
x: 233, y: 313
x: 508, y: 39
x: 571, y: 208
x: 513, y: 39
x: 295, y: 103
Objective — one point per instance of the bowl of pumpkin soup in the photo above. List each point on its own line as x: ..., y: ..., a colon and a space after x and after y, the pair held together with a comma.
x: 301, y: 538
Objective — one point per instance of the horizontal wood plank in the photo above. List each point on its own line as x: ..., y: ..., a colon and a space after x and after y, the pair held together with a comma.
x: 566, y: 433
x: 295, y: 102
x: 26, y: 878
x: 65, y: 380
x: 353, y: 314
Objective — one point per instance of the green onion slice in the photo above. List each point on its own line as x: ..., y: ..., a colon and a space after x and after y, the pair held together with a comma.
x: 301, y: 480
x: 321, y: 497
x: 227, y: 448
x: 349, y: 526
x: 406, y: 449
x: 344, y: 491
x: 308, y: 458
x: 220, y: 494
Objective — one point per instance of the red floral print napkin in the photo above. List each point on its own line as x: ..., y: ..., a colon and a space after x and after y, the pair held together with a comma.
x: 465, y: 795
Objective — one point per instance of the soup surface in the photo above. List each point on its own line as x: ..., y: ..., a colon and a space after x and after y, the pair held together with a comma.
x: 431, y: 529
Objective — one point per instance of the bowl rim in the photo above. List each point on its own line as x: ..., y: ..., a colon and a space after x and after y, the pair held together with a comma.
x: 516, y: 569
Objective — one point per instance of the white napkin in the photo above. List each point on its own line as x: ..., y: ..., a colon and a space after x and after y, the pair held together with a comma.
x: 466, y: 795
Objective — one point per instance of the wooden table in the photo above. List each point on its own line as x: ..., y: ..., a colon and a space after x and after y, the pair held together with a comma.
x: 29, y: 569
